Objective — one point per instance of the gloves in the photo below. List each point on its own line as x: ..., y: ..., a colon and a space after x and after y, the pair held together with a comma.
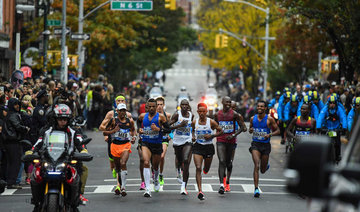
x: 84, y: 151
x: 29, y: 152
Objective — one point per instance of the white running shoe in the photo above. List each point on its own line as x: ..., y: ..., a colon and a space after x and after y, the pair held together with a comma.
x: 183, y: 191
x: 179, y: 178
x: 156, y: 185
x: 147, y: 193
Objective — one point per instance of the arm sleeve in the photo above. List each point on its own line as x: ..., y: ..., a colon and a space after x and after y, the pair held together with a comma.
x: 286, y: 111
x: 321, y: 118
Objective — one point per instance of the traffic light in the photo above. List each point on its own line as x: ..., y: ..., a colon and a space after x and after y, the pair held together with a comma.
x: 170, y: 4
x: 224, y: 42
x: 218, y: 41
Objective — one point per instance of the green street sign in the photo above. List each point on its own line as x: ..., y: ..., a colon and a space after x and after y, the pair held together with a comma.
x: 53, y: 22
x: 131, y: 5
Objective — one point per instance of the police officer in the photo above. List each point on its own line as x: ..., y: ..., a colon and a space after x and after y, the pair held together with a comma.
x: 39, y: 117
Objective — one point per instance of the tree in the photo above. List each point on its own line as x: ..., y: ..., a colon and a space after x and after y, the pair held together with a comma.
x: 340, y: 20
x: 243, y: 20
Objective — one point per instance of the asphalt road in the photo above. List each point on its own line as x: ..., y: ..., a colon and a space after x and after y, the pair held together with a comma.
x: 99, y: 189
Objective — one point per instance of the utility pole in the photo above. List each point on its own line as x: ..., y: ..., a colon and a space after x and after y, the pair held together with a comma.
x: 45, y: 34
x: 80, y: 43
x: 64, y: 73
x: 266, y: 51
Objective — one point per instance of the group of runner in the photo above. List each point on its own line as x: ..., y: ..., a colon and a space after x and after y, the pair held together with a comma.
x: 191, y: 137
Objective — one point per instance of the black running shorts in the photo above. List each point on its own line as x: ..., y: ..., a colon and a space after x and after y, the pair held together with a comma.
x: 155, y: 149
x: 263, y: 148
x: 207, y: 151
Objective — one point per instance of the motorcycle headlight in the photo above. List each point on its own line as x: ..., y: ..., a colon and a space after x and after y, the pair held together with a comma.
x: 60, y: 167
x: 48, y: 166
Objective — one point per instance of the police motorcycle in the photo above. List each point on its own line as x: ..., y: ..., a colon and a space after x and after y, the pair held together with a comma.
x: 183, y: 95
x: 211, y: 98
x: 55, y: 168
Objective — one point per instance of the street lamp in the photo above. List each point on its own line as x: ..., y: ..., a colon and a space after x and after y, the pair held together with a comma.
x: 267, y: 11
x: 20, y: 8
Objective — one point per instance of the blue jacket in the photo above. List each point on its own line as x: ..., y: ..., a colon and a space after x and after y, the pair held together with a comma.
x: 314, y: 113
x: 272, y: 103
x: 289, y: 112
x: 350, y: 118
x: 320, y: 105
x: 329, y: 124
x: 281, y: 112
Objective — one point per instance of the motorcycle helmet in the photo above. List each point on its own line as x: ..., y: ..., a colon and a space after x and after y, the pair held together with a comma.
x: 307, y: 99
x: 62, y: 111
x: 286, y: 89
x: 278, y: 93
x: 211, y: 85
x: 156, y: 84
x: 183, y: 89
x: 315, y: 95
x: 294, y: 98
x: 332, y: 98
x: 356, y: 101
x: 287, y: 95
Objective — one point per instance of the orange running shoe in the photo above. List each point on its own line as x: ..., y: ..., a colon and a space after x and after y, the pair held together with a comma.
x: 227, y: 188
x: 224, y: 181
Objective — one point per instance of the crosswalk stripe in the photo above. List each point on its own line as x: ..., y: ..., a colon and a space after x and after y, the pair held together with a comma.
x: 249, y: 188
x: 104, y: 189
x: 209, y: 178
x: 8, y: 192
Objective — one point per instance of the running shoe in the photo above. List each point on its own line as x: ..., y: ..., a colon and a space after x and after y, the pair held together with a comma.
x: 83, y: 200
x: 282, y: 142
x: 201, y: 196
x: 227, y: 188
x: 205, y: 172
x: 183, y: 191
x: 142, y: 186
x: 27, y: 181
x: 221, y: 190
x: 161, y: 180
x: 179, y: 177
x: 123, y: 192
x: 117, y: 190
x: 156, y: 186
x: 114, y: 173
x: 257, y: 192
x: 147, y: 193
x: 224, y: 181
x: 268, y: 167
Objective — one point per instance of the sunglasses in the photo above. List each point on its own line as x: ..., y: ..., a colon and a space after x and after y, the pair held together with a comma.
x: 332, y: 103
x: 17, y: 80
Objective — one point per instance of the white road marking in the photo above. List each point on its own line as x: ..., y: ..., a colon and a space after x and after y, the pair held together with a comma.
x: 209, y: 178
x: 103, y: 189
x: 8, y: 192
x: 249, y: 188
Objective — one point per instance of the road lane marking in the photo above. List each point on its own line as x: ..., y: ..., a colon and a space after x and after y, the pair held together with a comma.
x: 104, y: 189
x: 249, y: 188
x: 205, y: 188
x: 208, y: 178
x: 8, y: 192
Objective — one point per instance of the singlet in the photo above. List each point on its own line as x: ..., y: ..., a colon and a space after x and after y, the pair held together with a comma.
x: 123, y: 135
x: 260, y: 129
x: 227, y: 123
x: 201, y: 130
x: 149, y: 135
x: 302, y: 129
x: 183, y: 135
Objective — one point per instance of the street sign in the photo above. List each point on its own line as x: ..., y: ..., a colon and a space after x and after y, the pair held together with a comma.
x: 131, y: 5
x: 79, y: 36
x: 58, y: 31
x: 53, y: 22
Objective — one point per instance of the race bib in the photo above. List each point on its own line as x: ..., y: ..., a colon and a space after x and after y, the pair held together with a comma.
x: 184, y: 130
x: 227, y: 126
x: 302, y: 134
x: 150, y: 134
x: 259, y: 134
x: 200, y: 136
x: 122, y: 135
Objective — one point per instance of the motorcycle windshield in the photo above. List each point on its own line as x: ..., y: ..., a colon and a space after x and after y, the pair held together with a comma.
x: 56, y: 144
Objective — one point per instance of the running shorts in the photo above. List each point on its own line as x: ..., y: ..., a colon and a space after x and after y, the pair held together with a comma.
x: 207, y: 151
x: 118, y: 149
x: 263, y: 148
x: 155, y: 149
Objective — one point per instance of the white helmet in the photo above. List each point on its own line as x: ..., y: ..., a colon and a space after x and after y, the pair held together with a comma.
x: 156, y: 84
x: 211, y: 85
x: 183, y: 89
